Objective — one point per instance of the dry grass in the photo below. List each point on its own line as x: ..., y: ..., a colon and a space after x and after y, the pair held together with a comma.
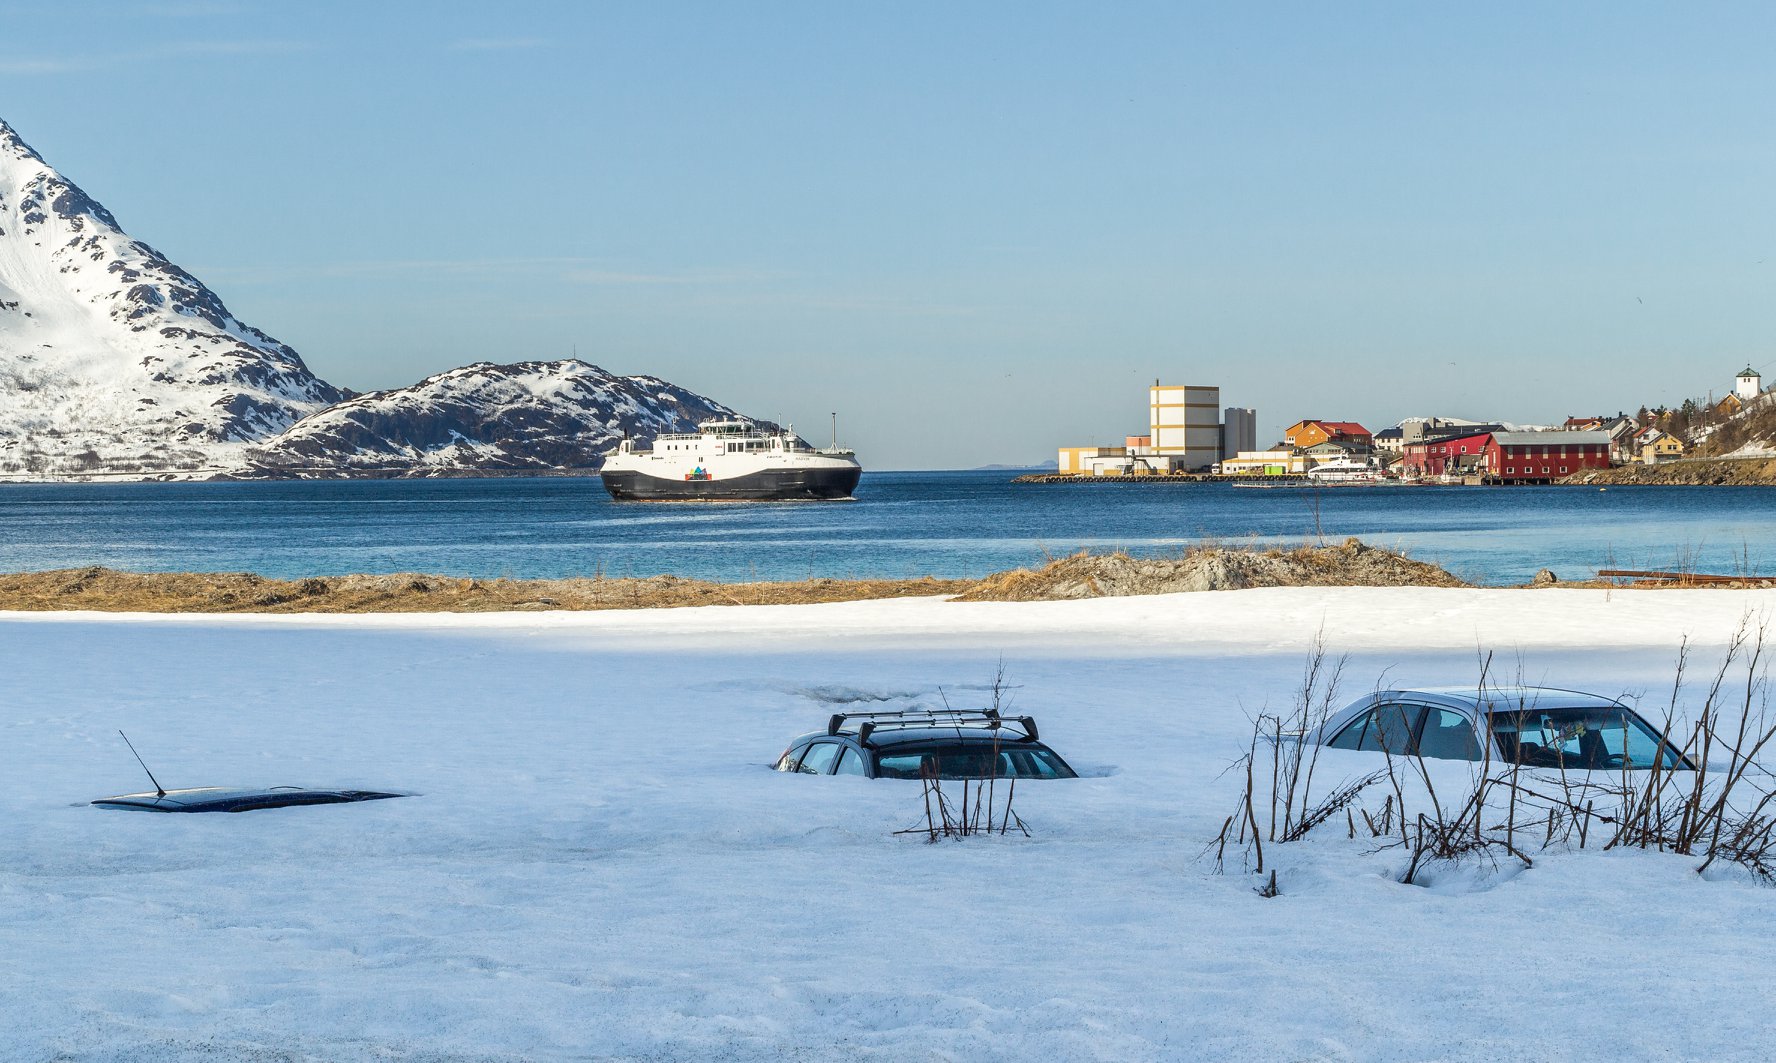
x: 1348, y: 564
x: 108, y: 590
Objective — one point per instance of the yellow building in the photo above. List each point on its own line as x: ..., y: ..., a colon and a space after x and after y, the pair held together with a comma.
x: 1664, y: 448
x: 1184, y: 424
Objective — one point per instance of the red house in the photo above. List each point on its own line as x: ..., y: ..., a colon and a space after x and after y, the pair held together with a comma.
x: 1541, y: 457
x: 1456, y: 455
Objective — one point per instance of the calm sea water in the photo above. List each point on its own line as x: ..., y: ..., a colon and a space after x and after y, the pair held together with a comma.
x: 902, y: 524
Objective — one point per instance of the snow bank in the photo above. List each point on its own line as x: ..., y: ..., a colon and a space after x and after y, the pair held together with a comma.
x: 602, y: 866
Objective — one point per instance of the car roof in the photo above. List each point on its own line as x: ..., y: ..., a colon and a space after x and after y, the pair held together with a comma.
x: 1469, y: 701
x: 1503, y: 699
x: 235, y: 798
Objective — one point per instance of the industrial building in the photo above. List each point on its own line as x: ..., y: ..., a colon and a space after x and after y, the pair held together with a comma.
x: 1239, y: 431
x: 1185, y: 433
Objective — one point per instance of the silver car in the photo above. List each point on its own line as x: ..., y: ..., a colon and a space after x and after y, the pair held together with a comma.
x: 1540, y: 727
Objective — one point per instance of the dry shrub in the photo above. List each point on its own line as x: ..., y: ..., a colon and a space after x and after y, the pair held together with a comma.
x: 1716, y: 803
x: 979, y: 811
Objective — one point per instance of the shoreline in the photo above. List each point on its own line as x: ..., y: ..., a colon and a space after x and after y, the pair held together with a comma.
x: 1075, y: 577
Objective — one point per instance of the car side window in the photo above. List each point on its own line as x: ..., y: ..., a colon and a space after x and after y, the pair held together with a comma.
x: 1448, y: 735
x: 899, y: 765
x: 850, y: 763
x: 790, y: 758
x: 819, y: 758
x: 1385, y: 728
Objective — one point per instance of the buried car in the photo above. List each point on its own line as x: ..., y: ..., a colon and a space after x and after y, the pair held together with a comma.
x: 228, y: 798
x: 236, y: 799
x: 1541, y: 727
x: 914, y: 744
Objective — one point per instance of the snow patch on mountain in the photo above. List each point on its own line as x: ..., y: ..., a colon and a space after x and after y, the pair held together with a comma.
x: 532, y: 416
x: 112, y: 358
x: 117, y: 364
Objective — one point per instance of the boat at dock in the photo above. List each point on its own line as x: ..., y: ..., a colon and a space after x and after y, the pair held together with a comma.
x: 730, y: 461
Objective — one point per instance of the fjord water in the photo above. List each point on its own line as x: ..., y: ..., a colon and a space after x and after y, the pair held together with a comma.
x: 901, y: 524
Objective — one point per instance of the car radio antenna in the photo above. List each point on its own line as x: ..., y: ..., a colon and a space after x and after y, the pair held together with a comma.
x: 159, y: 791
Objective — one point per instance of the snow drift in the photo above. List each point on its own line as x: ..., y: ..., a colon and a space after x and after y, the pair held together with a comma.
x: 601, y: 864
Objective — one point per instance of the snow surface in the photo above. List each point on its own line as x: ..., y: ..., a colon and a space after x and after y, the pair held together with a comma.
x: 603, y: 866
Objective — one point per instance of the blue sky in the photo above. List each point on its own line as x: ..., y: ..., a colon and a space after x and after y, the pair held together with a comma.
x: 976, y: 230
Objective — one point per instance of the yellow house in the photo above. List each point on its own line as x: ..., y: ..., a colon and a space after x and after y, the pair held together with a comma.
x: 1665, y: 448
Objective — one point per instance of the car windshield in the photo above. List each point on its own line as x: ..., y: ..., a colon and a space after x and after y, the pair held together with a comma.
x: 972, y: 761
x: 1581, y: 739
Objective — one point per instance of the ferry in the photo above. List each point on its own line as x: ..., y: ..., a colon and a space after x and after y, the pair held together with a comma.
x: 730, y: 461
x: 1344, y: 471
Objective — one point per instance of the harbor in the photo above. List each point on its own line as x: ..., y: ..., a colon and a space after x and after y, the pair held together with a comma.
x: 1191, y: 437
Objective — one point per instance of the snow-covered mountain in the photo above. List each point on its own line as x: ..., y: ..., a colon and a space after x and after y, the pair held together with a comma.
x: 112, y: 358
x: 532, y: 416
x: 116, y: 363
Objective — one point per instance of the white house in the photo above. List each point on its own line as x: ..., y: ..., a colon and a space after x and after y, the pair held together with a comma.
x: 1748, y: 384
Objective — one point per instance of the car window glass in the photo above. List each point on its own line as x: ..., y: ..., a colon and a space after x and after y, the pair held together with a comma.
x: 787, y: 762
x: 1390, y: 728
x: 1352, y: 735
x: 850, y: 763
x: 1448, y: 736
x: 973, y: 761
x: 898, y: 765
x: 1580, y: 739
x: 819, y: 758
x: 1385, y: 728
x: 1030, y: 764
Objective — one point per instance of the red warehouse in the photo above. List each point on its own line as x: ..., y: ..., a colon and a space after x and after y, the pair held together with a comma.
x: 1540, y: 457
x: 1455, y: 455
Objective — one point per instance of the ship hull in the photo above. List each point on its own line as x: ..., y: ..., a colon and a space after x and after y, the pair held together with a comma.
x: 769, y: 485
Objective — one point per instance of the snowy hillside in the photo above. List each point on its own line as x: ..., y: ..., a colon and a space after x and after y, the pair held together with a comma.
x: 114, y: 359
x: 115, y: 363
x: 484, y: 417
x: 601, y: 864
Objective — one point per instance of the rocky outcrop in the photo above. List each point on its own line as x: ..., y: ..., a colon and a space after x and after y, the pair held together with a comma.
x: 1733, y: 472
x: 1350, y: 564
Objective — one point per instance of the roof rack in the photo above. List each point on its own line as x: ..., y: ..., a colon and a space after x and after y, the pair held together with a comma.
x: 908, y: 719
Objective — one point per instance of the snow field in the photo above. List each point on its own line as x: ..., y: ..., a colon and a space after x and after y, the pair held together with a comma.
x: 602, y: 865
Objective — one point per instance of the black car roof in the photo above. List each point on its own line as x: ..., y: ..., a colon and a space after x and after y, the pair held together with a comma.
x: 236, y: 799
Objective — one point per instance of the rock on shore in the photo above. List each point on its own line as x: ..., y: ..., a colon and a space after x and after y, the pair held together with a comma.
x: 1350, y: 564
x: 1708, y: 472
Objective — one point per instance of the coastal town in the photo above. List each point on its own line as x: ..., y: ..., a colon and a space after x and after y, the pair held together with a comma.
x: 1191, y: 435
